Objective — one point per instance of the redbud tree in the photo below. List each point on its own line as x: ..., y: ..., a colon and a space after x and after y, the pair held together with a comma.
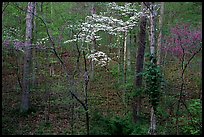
x: 183, y: 41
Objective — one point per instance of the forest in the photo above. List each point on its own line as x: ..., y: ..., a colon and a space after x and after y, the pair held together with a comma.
x: 101, y: 68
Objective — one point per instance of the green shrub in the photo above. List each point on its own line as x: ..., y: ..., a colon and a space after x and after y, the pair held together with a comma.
x: 193, y: 125
x: 116, y: 125
x: 114, y: 71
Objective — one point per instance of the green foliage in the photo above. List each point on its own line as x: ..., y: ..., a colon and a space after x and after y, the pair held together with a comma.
x: 114, y: 71
x: 117, y: 125
x: 153, y: 78
x: 182, y: 12
x: 59, y: 17
x: 193, y: 126
x: 120, y: 126
x: 98, y: 124
x: 140, y: 129
x: 135, y: 93
x: 44, y: 128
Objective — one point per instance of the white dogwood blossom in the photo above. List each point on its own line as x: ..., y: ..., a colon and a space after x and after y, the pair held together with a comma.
x: 95, y: 23
x: 100, y: 58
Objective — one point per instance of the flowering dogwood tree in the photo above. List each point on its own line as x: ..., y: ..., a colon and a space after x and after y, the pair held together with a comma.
x: 102, y: 22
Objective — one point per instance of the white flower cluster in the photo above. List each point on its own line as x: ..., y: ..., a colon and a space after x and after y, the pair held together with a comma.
x: 11, y: 33
x: 42, y: 41
x: 127, y: 10
x: 96, y: 23
x: 100, y: 58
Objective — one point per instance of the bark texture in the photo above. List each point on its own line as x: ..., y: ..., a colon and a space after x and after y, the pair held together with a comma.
x: 27, y: 58
x: 152, y: 52
x: 160, y: 34
x: 139, y: 65
x: 125, y: 56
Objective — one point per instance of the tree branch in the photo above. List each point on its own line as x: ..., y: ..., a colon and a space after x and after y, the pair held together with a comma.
x: 55, y: 52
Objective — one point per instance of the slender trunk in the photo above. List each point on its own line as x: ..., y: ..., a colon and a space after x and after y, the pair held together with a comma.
x: 78, y: 58
x: 130, y: 37
x: 135, y: 37
x: 153, y: 122
x: 152, y: 32
x: 47, y: 95
x: 152, y: 52
x: 86, y: 79
x: 92, y: 62
x: 72, y: 116
x: 34, y: 82
x: 125, y: 56
x: 46, y: 114
x: 118, y: 42
x: 27, y: 59
x: 201, y: 78
x: 128, y: 56
x: 139, y: 66
x: 125, y: 66
x: 179, y: 101
x: 160, y: 34
x: 51, y: 11
x: 93, y: 11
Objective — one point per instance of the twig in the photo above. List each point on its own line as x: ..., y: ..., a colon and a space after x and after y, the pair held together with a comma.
x: 55, y: 52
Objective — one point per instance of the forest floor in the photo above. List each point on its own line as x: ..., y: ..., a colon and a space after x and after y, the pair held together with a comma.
x: 102, y: 94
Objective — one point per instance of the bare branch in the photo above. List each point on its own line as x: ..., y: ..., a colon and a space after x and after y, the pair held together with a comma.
x: 55, y: 52
x: 4, y: 7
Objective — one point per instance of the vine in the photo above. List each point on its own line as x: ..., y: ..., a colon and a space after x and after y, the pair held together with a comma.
x: 153, y: 79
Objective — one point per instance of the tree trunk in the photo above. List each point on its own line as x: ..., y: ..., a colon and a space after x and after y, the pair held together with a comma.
x: 27, y: 58
x: 35, y: 64
x: 153, y: 122
x: 125, y: 56
x: 152, y: 32
x: 139, y: 66
x: 152, y: 52
x: 129, y: 55
x: 201, y: 78
x: 86, y: 80
x: 160, y: 34
x: 118, y: 42
x: 92, y: 62
x: 47, y: 93
x: 93, y: 49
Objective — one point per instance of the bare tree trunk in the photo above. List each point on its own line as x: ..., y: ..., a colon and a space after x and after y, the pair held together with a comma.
x: 134, y: 37
x: 153, y: 122
x: 86, y: 80
x: 130, y: 37
x: 160, y: 34
x: 92, y: 62
x: 201, y: 78
x: 139, y: 65
x: 125, y: 56
x: 118, y: 42
x: 152, y: 52
x: 34, y: 81
x: 28, y: 56
x: 152, y: 32
x: 128, y: 56
x: 93, y: 11
x: 47, y: 93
